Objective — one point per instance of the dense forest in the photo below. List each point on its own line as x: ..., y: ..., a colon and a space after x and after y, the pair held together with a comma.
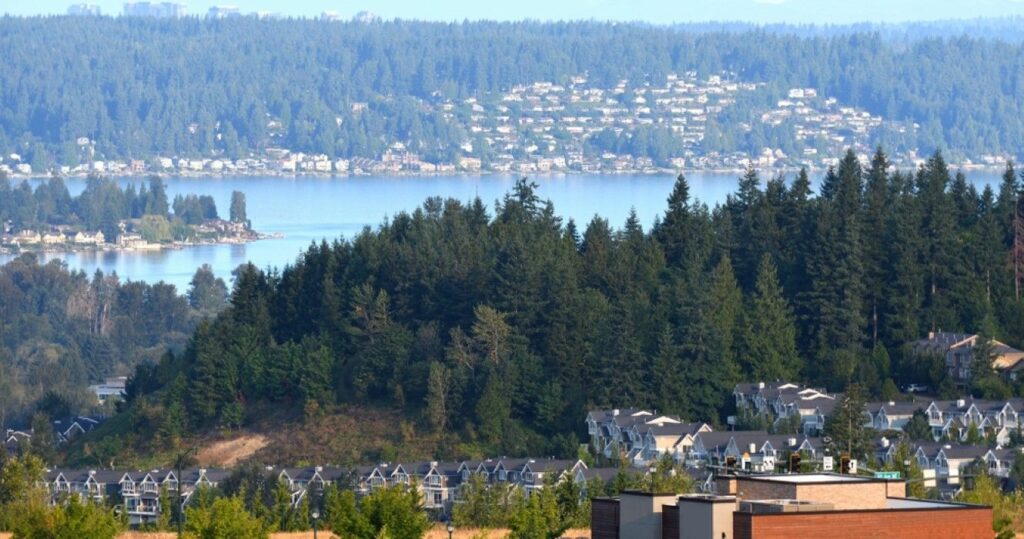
x: 103, y: 205
x: 502, y: 326
x: 61, y: 330
x: 189, y: 87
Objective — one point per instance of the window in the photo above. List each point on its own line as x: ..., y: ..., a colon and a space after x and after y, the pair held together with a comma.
x: 501, y: 475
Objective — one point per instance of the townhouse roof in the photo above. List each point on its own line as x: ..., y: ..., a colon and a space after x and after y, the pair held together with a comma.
x: 716, y: 440
x: 897, y: 407
x: 674, y: 429
x: 963, y: 451
x: 604, y: 474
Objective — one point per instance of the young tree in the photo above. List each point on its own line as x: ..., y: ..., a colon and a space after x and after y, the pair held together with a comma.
x: 918, y: 429
x: 539, y: 518
x: 225, y: 518
x: 439, y: 388
x: 397, y: 510
x: 846, y: 426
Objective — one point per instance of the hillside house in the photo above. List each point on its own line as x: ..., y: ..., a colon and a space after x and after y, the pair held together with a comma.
x: 957, y: 352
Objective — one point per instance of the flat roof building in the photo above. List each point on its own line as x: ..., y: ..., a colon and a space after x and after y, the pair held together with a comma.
x: 776, y: 506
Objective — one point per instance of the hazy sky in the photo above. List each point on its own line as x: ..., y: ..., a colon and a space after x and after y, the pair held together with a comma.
x: 657, y: 11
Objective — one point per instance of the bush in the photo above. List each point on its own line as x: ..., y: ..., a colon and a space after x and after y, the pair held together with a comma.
x: 74, y: 520
x: 226, y: 518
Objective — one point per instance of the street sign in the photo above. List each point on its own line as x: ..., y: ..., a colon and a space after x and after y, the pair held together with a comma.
x: 887, y: 475
x: 826, y: 463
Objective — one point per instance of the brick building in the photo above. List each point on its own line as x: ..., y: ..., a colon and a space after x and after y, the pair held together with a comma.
x: 783, y: 506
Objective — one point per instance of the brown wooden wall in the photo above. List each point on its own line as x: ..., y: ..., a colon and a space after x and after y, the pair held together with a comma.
x: 669, y: 522
x: 604, y: 518
x: 904, y: 524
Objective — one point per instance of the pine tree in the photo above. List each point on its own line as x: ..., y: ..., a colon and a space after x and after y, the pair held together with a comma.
x: 750, y: 223
x: 904, y: 283
x: 836, y: 271
x: 938, y: 238
x: 769, y: 341
x: 877, y: 206
x: 667, y: 375
x: 237, y: 211
x: 725, y: 309
x: 674, y: 232
x: 846, y: 426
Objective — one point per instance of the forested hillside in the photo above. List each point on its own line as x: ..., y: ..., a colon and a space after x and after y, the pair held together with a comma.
x: 135, y: 88
x: 499, y: 327
x: 61, y: 330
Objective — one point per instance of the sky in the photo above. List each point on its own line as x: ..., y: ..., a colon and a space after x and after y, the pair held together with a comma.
x: 652, y: 11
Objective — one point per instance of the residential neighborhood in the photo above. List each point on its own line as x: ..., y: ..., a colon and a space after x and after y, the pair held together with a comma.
x: 547, y: 127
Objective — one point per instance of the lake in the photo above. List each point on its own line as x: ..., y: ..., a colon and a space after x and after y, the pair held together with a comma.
x: 308, y: 209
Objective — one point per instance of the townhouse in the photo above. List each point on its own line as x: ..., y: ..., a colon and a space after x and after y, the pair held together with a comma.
x: 957, y: 353
x: 753, y: 451
x: 782, y: 401
x: 951, y: 419
x: 138, y: 493
x: 612, y: 434
x: 440, y: 483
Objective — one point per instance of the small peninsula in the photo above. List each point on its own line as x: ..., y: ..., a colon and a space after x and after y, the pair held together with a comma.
x: 106, y: 216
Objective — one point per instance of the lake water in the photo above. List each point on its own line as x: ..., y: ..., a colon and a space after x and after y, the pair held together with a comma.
x: 307, y: 209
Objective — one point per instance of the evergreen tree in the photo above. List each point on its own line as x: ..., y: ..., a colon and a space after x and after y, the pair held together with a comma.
x: 237, y: 212
x: 667, y: 374
x: 769, y: 342
x: 156, y: 201
x: 846, y: 426
x: 836, y: 273
x: 878, y: 201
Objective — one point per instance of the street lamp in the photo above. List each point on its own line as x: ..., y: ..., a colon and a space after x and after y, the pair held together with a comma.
x: 451, y: 529
x: 316, y: 516
x: 177, y: 464
x: 653, y: 470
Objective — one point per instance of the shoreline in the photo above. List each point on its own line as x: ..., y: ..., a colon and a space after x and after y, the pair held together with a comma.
x: 152, y: 247
x: 264, y: 173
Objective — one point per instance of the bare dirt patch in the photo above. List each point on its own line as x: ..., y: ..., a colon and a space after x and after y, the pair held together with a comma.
x: 227, y: 453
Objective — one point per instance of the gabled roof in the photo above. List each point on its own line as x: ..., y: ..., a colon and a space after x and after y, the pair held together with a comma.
x: 720, y: 440
x: 963, y: 451
x: 941, y: 341
x: 604, y: 474
x: 673, y: 429
x: 897, y: 407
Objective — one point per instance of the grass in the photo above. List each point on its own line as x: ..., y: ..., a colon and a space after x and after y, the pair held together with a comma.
x: 290, y: 440
x: 438, y: 532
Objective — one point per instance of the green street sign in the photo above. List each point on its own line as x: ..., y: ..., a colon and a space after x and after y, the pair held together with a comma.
x: 887, y: 475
